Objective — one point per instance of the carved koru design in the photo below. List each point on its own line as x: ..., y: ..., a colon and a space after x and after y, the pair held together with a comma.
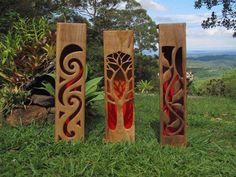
x: 119, y: 91
x: 70, y: 93
x: 173, y: 91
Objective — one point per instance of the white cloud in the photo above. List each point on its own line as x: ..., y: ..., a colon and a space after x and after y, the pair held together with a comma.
x: 199, y: 38
x: 219, y: 32
x: 152, y: 5
x: 192, y: 19
x: 194, y: 25
x: 215, y: 38
x: 210, y: 44
x: 212, y: 32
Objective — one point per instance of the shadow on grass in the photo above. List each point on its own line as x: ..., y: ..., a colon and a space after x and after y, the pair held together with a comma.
x: 91, y: 124
x: 156, y: 128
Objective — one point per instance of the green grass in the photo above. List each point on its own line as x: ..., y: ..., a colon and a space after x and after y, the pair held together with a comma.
x: 211, y: 150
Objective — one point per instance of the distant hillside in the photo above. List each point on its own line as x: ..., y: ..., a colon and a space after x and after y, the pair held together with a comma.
x: 216, y: 57
x: 208, y: 66
x: 202, y: 53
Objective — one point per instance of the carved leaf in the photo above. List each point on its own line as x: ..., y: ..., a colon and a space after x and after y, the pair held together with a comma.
x: 177, y: 86
x: 166, y: 63
x: 175, y: 124
x: 165, y: 118
x: 178, y: 96
x: 178, y: 106
x: 167, y: 76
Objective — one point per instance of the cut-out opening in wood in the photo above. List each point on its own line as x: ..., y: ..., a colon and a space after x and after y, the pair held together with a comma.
x: 119, y: 85
x: 70, y: 81
x: 173, y: 84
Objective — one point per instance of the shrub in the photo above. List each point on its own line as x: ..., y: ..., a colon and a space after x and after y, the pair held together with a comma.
x: 229, y: 79
x: 192, y: 90
x: 213, y: 87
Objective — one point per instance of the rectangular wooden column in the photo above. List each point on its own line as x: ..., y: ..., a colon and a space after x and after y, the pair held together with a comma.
x: 70, y: 81
x: 119, y: 85
x: 172, y: 48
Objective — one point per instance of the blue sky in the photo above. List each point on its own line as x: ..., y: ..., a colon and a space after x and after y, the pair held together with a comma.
x: 174, y: 11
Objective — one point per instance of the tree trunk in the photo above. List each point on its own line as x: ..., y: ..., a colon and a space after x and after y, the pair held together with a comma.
x: 120, y: 118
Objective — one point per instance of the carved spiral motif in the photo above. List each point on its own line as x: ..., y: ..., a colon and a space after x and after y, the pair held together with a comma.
x: 72, y: 71
x: 173, y: 84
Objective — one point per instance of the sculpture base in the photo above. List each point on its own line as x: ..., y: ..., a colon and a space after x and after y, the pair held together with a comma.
x: 177, y: 140
x: 120, y: 135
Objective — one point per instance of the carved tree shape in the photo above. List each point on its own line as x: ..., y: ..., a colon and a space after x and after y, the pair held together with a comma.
x: 119, y: 90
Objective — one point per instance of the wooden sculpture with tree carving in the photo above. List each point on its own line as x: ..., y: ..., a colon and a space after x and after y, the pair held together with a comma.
x: 119, y: 85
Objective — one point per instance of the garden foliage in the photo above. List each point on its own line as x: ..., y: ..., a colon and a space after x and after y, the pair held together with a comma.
x: 27, y: 42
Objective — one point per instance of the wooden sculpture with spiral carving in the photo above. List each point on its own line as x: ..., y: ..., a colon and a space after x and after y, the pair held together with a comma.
x: 70, y: 82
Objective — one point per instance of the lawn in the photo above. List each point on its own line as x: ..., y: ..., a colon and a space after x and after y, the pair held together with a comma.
x: 211, y: 150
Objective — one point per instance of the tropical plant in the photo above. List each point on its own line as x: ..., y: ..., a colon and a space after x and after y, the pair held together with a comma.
x: 91, y: 90
x: 46, y: 85
x: 8, y: 47
x: 25, y: 32
x: 7, y: 19
x: 31, y: 30
x: 92, y: 93
x: 144, y: 86
x: 25, y: 50
x: 35, y: 57
x: 13, y: 98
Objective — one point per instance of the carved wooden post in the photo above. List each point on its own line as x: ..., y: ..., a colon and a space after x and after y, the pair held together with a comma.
x: 173, y: 83
x: 70, y: 81
x: 119, y: 85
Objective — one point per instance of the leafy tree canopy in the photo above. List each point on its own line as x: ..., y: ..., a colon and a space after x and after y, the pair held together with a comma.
x: 99, y: 15
x: 227, y: 18
x: 28, y: 8
x: 116, y: 14
x: 121, y: 14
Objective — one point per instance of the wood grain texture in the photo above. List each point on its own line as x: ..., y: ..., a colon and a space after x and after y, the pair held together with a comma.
x: 119, y: 85
x: 173, y: 115
x: 70, y: 81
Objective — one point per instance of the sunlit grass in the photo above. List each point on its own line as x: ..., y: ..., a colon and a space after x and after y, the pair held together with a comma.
x: 211, y: 150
